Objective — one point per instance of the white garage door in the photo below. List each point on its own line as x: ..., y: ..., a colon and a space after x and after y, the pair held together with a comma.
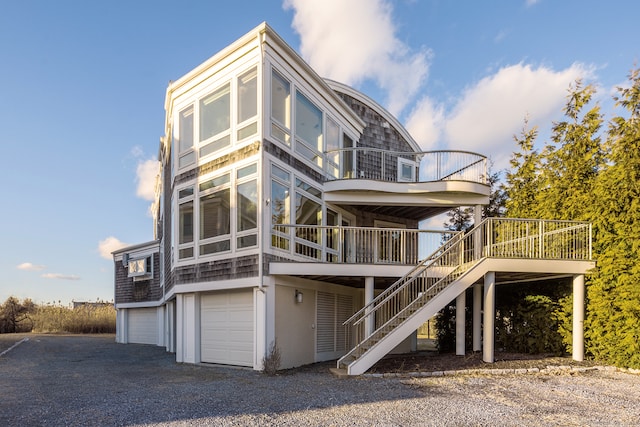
x: 143, y: 326
x: 227, y: 328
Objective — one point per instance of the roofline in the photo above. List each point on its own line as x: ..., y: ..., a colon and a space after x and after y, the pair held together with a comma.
x: 348, y: 90
x: 137, y: 246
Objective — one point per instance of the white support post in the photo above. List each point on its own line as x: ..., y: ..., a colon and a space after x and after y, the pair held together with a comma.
x: 369, y: 294
x: 477, y: 214
x: 578, y: 317
x: 461, y: 302
x: 489, y: 317
x: 477, y: 317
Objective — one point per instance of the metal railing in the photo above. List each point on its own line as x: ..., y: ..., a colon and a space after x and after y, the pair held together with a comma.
x: 397, y: 166
x: 357, y: 245
x: 494, y: 237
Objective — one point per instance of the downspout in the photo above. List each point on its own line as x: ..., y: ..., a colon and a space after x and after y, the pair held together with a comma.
x: 261, y: 41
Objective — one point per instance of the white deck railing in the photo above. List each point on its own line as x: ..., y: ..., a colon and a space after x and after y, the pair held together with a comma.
x: 494, y: 237
x: 396, y: 166
x: 357, y: 245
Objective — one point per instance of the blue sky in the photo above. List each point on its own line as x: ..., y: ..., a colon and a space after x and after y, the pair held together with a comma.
x: 82, y: 103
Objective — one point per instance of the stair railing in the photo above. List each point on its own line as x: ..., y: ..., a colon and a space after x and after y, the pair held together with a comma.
x: 493, y: 237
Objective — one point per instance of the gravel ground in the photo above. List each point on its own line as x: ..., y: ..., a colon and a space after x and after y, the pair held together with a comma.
x: 90, y: 380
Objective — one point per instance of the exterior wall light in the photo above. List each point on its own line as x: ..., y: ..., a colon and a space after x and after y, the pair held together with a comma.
x: 298, y: 297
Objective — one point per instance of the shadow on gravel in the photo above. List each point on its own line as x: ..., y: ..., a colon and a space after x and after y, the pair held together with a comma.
x: 91, y: 380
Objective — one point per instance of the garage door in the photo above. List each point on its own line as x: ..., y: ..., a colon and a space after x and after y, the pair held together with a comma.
x: 143, y: 326
x: 227, y: 328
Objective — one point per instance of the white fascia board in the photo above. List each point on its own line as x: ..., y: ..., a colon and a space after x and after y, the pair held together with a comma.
x: 139, y: 250
x: 348, y: 90
x: 372, y: 198
x: 545, y: 266
x: 219, y: 285
x: 149, y: 304
x: 407, y: 187
x: 322, y: 269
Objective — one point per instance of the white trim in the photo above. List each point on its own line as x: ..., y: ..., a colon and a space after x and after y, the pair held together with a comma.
x: 147, y: 304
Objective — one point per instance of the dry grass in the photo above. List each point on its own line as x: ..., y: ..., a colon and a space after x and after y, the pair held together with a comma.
x: 80, y: 320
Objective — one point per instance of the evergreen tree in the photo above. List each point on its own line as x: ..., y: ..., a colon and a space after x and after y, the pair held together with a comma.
x: 612, y: 326
x: 522, y: 180
x: 572, y: 161
x: 497, y: 198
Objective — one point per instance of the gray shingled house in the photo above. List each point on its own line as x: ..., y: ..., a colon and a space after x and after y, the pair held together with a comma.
x: 288, y: 209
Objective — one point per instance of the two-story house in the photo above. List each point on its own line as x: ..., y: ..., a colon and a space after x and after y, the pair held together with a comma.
x: 288, y: 210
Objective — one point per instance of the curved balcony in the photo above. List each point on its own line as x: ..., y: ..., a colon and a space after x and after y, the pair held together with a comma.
x: 396, y: 166
x: 413, y: 185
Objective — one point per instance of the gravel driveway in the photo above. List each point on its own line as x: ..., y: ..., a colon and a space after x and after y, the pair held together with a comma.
x: 90, y: 380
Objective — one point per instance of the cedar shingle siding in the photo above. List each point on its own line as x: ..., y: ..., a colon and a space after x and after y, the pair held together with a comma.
x: 128, y: 291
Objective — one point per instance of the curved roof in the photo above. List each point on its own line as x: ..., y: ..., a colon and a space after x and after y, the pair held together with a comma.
x: 393, y: 121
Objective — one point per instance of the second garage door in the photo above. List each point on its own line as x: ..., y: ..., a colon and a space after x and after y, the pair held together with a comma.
x: 143, y: 326
x: 227, y: 328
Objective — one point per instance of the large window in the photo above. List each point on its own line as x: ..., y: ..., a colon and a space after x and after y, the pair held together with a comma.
x: 185, y: 138
x: 215, y: 120
x: 247, y: 103
x: 247, y: 207
x: 280, y: 107
x: 333, y: 143
x: 218, y: 215
x: 215, y: 216
x: 280, y: 206
x: 308, y: 129
x: 185, y: 223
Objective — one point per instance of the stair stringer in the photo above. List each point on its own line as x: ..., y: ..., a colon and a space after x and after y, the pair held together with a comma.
x: 406, y: 328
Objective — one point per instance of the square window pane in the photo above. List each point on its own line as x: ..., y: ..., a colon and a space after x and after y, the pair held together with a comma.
x: 185, y: 253
x: 248, y: 130
x: 185, y: 192
x: 215, y: 182
x: 216, y: 145
x: 212, y: 248
x: 308, y: 188
x: 247, y: 241
x: 279, y: 173
x: 278, y: 133
x: 187, y: 159
x: 247, y: 170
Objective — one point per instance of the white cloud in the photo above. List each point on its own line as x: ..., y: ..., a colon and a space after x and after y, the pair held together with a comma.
x: 108, y: 245
x: 137, y: 151
x: 425, y: 123
x: 356, y: 40
x: 493, y: 110
x: 530, y: 3
x: 146, y: 173
x: 60, y: 276
x: 27, y: 266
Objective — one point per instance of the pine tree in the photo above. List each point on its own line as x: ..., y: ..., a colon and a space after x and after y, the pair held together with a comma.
x: 522, y: 181
x: 573, y: 159
x: 612, y: 326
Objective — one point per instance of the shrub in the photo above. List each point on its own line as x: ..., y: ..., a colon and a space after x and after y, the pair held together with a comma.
x: 271, y: 362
